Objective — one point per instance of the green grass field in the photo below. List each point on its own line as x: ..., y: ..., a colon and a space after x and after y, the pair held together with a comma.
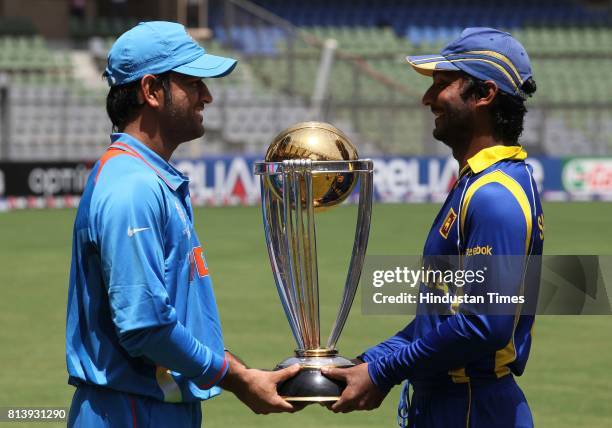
x: 567, y: 381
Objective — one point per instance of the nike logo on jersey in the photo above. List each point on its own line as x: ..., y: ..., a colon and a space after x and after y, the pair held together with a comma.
x: 134, y: 231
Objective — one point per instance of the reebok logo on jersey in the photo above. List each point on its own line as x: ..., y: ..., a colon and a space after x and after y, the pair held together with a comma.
x: 479, y: 251
x: 134, y: 231
x: 448, y: 223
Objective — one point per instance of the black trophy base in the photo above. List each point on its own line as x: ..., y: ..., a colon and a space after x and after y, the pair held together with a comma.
x: 310, y: 385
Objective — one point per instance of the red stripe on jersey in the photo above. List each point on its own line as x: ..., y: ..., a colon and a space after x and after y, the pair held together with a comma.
x: 133, y: 403
x: 217, y: 376
x: 110, y: 153
x: 133, y: 152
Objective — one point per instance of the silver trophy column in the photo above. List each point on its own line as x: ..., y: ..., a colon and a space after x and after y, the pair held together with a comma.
x: 288, y: 206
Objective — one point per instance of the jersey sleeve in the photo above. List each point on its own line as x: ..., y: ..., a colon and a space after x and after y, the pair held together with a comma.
x: 173, y: 347
x: 398, y: 340
x: 495, y: 222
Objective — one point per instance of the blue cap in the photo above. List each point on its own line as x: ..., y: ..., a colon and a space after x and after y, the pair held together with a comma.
x: 156, y: 47
x: 484, y: 53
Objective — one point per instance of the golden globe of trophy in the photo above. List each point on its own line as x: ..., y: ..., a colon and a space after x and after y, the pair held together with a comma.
x: 310, y: 167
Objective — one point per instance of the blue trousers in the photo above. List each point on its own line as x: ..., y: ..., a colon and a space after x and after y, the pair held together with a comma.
x: 94, y: 407
x: 493, y: 404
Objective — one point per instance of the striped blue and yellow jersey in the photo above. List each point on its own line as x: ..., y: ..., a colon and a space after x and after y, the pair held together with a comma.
x: 492, y: 210
x: 142, y: 316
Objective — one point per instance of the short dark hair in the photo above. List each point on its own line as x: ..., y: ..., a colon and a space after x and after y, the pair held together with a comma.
x: 122, y: 104
x: 507, y: 111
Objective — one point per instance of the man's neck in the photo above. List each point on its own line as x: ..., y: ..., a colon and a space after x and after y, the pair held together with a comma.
x: 463, y: 153
x: 152, y: 140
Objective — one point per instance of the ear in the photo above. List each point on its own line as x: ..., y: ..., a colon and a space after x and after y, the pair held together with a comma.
x: 151, y: 92
x: 487, y: 98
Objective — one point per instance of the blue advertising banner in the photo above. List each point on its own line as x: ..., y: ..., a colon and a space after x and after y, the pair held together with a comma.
x: 229, y: 180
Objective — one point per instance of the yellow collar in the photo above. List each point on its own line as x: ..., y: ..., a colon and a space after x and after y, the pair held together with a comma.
x: 491, y: 155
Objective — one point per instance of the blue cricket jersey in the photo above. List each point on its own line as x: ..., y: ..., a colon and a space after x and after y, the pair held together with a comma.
x: 493, y: 210
x: 142, y: 316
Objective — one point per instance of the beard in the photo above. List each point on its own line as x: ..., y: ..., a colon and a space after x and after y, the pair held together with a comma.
x: 181, y: 123
x: 455, y: 127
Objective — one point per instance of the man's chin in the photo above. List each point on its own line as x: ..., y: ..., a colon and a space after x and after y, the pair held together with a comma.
x: 443, y: 139
x: 439, y: 135
x: 185, y: 137
x: 198, y: 132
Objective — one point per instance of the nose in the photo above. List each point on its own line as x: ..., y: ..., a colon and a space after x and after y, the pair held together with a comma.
x: 428, y: 96
x: 205, y: 94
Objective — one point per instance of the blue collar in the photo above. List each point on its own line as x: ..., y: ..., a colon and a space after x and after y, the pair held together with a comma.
x: 169, y: 174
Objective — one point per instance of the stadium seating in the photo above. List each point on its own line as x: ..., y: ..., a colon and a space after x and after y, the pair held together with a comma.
x: 16, y: 26
x: 31, y: 54
x: 373, y: 94
x: 81, y: 29
x: 52, y: 120
x: 448, y: 13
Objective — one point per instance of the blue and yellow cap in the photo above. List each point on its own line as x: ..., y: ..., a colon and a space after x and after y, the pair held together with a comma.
x: 159, y: 46
x: 484, y: 53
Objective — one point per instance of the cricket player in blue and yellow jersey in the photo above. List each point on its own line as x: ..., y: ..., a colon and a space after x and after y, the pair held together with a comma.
x: 143, y: 339
x: 462, y: 362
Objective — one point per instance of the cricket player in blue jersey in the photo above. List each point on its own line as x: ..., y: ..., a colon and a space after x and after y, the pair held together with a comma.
x: 144, y: 344
x: 462, y: 362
